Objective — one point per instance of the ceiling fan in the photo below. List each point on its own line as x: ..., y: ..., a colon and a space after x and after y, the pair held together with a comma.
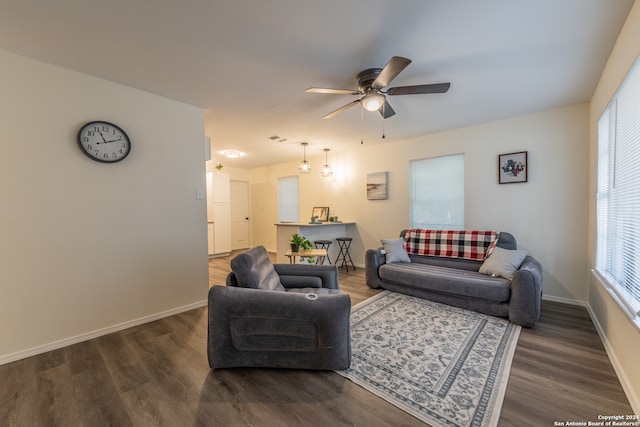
x: 371, y: 83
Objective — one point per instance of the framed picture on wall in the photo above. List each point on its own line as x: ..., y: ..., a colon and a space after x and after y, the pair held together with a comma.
x: 512, y: 168
x: 321, y: 213
x: 377, y: 186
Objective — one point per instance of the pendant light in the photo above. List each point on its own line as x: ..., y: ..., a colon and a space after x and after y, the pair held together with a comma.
x: 305, y: 166
x: 326, y: 169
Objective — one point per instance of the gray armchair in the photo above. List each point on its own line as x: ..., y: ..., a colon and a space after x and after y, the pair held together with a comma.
x: 278, y: 316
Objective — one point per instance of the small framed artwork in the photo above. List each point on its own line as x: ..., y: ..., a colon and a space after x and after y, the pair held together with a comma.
x: 377, y: 186
x: 321, y: 214
x: 512, y: 168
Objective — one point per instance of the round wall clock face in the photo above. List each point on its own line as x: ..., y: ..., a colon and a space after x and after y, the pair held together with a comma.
x: 104, y: 142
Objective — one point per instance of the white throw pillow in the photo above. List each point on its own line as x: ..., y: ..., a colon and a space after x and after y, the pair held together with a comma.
x: 503, y: 262
x: 394, y: 249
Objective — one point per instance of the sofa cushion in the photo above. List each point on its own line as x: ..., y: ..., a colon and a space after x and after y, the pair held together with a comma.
x: 301, y: 282
x: 503, y: 262
x: 394, y: 250
x: 272, y: 334
x: 435, y: 278
x: 457, y: 263
x: 254, y: 269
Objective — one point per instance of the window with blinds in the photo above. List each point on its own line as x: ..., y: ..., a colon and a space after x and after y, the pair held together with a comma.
x: 288, y: 210
x: 437, y: 193
x: 618, y: 196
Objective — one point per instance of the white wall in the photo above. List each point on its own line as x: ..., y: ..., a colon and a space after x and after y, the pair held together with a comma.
x: 87, y: 247
x: 547, y: 215
x: 621, y: 338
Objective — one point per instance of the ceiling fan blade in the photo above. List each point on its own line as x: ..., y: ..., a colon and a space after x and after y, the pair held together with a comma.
x: 333, y: 91
x: 419, y: 89
x: 386, y: 111
x: 391, y: 70
x: 341, y: 109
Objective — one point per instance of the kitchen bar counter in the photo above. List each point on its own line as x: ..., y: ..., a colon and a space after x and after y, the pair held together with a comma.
x: 318, y: 231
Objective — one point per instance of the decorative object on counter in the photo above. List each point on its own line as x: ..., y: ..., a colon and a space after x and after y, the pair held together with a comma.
x: 326, y: 169
x: 305, y: 166
x: 299, y: 242
x: 334, y: 218
x: 512, y: 167
x: 321, y: 214
x: 219, y: 167
x: 377, y: 186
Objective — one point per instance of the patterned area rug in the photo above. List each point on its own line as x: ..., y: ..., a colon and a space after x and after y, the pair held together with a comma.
x: 444, y: 365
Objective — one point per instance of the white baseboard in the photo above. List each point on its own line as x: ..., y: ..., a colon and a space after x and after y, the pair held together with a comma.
x: 564, y: 300
x: 23, y: 354
x: 634, y: 400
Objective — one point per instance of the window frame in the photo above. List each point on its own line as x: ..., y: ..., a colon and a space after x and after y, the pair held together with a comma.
x: 616, y: 264
x: 288, y: 199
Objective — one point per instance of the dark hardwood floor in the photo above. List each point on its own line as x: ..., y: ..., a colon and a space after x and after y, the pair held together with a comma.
x: 157, y: 374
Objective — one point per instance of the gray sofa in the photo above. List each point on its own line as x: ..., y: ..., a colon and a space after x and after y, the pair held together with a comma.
x: 459, y: 282
x: 278, y: 316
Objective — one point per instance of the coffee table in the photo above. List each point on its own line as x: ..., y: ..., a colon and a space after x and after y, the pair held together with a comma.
x: 306, y: 253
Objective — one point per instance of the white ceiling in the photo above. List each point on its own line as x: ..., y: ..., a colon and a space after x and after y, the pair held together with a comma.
x: 249, y: 62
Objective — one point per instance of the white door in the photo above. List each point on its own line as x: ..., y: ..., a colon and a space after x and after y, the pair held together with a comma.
x: 239, y: 215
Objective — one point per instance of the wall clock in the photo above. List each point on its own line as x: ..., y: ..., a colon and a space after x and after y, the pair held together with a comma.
x: 104, y: 142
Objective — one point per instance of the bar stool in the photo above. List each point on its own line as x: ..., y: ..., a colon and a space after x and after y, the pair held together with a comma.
x: 323, y: 244
x: 343, y: 255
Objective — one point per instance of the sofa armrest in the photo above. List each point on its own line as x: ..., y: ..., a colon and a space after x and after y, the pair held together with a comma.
x: 327, y: 273
x: 261, y: 328
x: 373, y: 259
x: 526, y: 293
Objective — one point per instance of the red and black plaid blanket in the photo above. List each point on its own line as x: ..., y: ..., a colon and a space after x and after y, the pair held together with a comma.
x: 474, y: 245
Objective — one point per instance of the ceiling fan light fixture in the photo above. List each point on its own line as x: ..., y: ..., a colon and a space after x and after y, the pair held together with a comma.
x: 305, y: 166
x: 326, y: 169
x: 372, y: 102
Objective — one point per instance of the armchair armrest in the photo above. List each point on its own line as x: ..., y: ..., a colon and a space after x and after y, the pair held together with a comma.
x: 373, y: 259
x: 526, y: 293
x: 290, y: 273
x: 260, y: 328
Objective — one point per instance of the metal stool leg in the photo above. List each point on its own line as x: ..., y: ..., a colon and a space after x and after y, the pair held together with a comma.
x: 344, y: 243
x: 323, y: 244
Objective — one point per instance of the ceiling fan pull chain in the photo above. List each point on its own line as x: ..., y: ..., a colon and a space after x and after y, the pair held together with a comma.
x: 383, y: 116
x: 361, y: 124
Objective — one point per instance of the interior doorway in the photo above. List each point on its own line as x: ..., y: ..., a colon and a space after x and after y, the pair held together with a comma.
x: 239, y: 215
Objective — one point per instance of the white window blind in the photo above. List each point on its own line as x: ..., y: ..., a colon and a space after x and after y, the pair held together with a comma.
x: 437, y: 193
x: 288, y: 210
x: 618, y: 196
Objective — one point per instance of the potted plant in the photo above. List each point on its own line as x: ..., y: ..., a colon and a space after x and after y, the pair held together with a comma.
x: 219, y: 167
x: 299, y: 242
